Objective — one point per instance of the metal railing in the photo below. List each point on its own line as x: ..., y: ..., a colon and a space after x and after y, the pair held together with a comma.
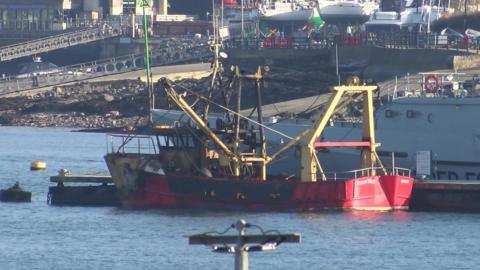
x: 366, y: 172
x: 394, y: 40
x: 131, y: 144
x: 95, y: 69
x: 413, y: 84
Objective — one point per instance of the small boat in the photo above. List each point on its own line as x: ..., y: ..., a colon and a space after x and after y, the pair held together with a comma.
x: 15, y: 194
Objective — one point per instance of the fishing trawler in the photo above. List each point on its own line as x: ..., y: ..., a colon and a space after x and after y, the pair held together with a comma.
x: 198, y: 167
x: 227, y: 168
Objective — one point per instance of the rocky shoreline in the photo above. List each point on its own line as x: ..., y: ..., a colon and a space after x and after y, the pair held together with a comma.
x: 83, y: 105
x: 118, y: 104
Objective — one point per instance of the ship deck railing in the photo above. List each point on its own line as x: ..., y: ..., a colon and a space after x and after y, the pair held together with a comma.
x: 366, y: 172
x: 131, y: 144
x: 412, y: 85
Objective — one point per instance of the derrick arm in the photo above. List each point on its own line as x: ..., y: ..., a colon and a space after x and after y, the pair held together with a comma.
x: 178, y: 99
x: 308, y: 155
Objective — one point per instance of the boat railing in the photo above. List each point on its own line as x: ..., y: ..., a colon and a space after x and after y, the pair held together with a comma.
x: 366, y: 172
x: 402, y: 171
x: 131, y: 144
x: 450, y: 84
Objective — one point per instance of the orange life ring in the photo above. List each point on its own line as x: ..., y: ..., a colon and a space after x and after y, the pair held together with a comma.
x: 431, y: 84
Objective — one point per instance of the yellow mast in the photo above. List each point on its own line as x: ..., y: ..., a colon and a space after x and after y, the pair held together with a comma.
x: 310, y: 165
x: 234, y: 157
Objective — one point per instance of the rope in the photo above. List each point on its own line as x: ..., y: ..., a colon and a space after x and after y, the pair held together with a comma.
x: 235, y: 113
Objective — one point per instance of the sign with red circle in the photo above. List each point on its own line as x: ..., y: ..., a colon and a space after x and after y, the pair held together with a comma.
x: 431, y: 84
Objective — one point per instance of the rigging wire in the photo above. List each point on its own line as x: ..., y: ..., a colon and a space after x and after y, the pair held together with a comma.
x: 233, y: 112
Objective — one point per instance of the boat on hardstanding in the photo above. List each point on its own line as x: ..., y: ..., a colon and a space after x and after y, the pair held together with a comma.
x: 286, y: 10
x: 331, y: 11
x: 411, y: 15
x: 346, y: 11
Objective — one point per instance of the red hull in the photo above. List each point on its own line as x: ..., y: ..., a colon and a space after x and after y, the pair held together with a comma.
x: 365, y: 193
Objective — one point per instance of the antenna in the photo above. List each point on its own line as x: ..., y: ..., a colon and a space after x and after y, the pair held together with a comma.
x: 216, y: 44
x: 151, y: 96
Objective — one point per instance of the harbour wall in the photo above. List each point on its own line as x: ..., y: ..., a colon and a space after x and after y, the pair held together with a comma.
x: 369, y: 61
x: 386, y: 63
x: 464, y: 62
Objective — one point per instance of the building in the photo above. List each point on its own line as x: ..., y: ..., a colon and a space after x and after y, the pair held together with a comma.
x: 21, y: 16
x: 31, y: 15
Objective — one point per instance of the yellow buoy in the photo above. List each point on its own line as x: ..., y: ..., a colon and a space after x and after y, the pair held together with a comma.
x: 38, y: 165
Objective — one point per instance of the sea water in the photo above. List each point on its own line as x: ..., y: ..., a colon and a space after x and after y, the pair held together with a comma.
x: 39, y: 236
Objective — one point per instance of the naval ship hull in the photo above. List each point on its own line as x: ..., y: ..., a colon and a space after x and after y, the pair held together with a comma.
x: 443, y: 126
x: 141, y: 187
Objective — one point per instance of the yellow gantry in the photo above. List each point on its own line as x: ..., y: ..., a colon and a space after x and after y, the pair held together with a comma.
x: 310, y: 165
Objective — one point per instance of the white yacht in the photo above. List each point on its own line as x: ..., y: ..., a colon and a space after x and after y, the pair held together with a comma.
x: 331, y: 11
x: 286, y: 10
x: 346, y: 11
x: 406, y: 15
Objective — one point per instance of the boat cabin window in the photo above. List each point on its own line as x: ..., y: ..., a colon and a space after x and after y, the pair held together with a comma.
x: 176, y: 141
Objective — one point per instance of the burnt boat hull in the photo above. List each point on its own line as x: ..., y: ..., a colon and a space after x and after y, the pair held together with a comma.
x: 146, y: 188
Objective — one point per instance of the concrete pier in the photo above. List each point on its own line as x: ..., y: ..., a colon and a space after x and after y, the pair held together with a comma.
x: 448, y: 196
x: 104, y: 194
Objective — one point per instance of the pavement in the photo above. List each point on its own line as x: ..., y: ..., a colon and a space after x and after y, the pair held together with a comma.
x: 173, y: 72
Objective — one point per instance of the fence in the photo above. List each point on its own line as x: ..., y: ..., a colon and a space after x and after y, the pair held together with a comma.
x: 394, y: 40
x: 193, y: 51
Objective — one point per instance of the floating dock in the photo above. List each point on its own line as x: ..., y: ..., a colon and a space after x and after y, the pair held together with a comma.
x: 447, y: 196
x: 102, y: 194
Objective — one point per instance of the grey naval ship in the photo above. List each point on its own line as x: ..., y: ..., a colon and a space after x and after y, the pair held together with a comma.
x: 436, y: 121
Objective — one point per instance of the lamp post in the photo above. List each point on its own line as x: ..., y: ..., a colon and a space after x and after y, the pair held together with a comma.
x: 242, y: 243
